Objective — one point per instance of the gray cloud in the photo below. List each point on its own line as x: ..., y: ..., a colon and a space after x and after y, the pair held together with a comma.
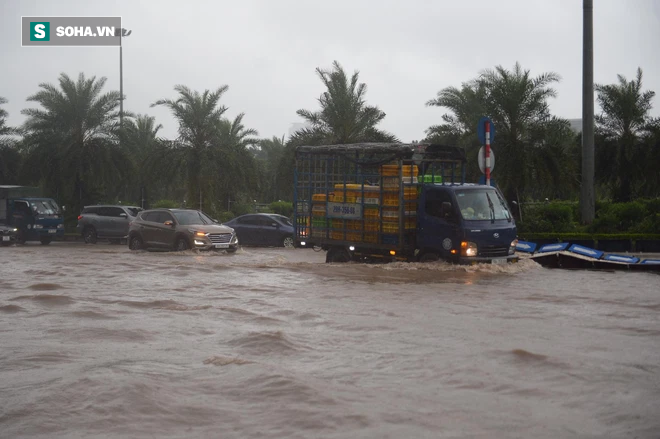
x: 267, y: 51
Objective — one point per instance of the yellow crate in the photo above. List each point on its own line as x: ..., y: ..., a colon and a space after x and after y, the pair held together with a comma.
x: 393, y: 170
x: 319, y: 197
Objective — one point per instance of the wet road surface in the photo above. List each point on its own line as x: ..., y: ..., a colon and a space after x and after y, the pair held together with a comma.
x: 98, y: 341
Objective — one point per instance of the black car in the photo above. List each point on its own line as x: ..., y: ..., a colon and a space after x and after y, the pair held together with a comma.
x: 263, y: 229
x: 7, y: 235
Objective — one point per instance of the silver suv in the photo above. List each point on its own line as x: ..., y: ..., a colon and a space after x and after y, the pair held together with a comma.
x: 106, y: 222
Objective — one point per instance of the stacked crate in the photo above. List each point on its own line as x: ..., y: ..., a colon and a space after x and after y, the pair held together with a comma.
x: 319, y: 224
x: 390, y: 208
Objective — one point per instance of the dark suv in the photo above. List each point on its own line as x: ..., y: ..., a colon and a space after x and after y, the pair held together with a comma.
x: 105, y: 222
x: 179, y: 229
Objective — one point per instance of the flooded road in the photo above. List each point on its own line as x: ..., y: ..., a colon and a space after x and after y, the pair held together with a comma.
x: 97, y: 341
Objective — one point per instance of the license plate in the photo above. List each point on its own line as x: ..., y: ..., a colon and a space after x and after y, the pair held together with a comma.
x: 499, y: 261
x: 5, y: 238
x: 221, y: 245
x: 52, y: 231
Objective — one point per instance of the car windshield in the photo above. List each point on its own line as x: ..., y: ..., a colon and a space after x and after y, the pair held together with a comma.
x: 283, y: 219
x: 45, y: 207
x: 192, y: 217
x: 486, y: 204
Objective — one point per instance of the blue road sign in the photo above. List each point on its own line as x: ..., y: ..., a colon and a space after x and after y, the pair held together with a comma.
x: 481, y: 130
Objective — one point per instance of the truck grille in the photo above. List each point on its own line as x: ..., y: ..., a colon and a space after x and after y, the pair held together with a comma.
x: 220, y: 238
x: 491, y: 251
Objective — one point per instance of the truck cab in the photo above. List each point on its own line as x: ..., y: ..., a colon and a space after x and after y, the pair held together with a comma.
x: 35, y: 218
x: 464, y: 223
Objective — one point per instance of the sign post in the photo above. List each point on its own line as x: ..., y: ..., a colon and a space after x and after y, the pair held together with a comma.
x: 486, y: 133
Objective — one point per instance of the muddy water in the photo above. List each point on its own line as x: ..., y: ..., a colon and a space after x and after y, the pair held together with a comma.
x: 98, y: 341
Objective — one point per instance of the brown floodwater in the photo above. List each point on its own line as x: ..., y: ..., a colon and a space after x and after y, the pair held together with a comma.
x: 97, y: 341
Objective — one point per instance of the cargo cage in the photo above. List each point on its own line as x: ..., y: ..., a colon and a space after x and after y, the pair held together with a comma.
x: 367, y: 193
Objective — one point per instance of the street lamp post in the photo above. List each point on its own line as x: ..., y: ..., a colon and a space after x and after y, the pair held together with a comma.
x: 124, y: 33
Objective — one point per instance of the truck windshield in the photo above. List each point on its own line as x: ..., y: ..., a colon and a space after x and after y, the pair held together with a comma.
x: 482, y: 204
x: 45, y: 207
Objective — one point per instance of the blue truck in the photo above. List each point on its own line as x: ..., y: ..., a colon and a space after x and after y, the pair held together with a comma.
x: 389, y: 202
x: 34, y: 218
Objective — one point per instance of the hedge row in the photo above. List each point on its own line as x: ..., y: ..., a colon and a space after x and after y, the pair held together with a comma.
x: 637, y: 217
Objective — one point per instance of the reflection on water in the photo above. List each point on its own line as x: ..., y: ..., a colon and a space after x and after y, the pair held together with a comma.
x: 98, y: 341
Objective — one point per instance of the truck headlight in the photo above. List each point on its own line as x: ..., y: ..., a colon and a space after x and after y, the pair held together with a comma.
x: 512, y: 247
x: 468, y: 249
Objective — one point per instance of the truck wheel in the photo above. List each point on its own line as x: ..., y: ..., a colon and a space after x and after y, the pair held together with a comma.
x: 429, y: 257
x: 337, y: 255
x: 89, y: 235
x: 135, y: 243
x: 20, y: 237
x: 45, y: 241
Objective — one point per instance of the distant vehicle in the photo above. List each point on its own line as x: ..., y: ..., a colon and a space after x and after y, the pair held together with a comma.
x: 263, y: 229
x: 8, y: 235
x: 179, y: 229
x: 36, y: 218
x: 109, y: 222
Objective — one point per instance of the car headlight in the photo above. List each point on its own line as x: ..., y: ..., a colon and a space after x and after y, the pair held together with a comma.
x: 196, y: 233
x: 512, y: 247
x: 38, y: 226
x: 60, y: 226
x: 234, y: 239
x: 15, y: 230
x: 468, y: 249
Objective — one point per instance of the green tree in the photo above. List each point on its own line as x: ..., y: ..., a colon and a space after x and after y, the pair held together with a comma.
x: 199, y: 116
x: 268, y: 155
x: 72, y: 142
x: 528, y: 136
x: 10, y: 158
x: 622, y: 128
x: 344, y: 116
x: 140, y: 138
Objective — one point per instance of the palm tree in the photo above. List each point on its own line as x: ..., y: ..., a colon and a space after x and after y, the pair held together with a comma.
x: 199, y: 116
x: 268, y: 156
x: 240, y: 179
x: 140, y: 138
x: 344, y: 116
x: 623, y: 123
x: 517, y: 103
x: 72, y: 142
x: 10, y: 157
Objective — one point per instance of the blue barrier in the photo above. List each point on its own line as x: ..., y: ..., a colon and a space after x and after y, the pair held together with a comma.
x: 586, y: 251
x: 650, y: 261
x: 620, y: 258
x: 553, y: 247
x: 525, y: 246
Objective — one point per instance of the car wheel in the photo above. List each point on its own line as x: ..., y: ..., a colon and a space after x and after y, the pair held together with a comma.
x: 181, y: 244
x: 288, y: 242
x: 89, y: 235
x: 135, y: 243
x: 5, y: 243
x: 46, y: 241
x: 232, y: 250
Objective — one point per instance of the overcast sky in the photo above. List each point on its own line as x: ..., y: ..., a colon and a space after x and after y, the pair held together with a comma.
x: 267, y: 52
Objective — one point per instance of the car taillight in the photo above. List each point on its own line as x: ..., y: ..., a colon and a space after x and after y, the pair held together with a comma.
x: 79, y: 217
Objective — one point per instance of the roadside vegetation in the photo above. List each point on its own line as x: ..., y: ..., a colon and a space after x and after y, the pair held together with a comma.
x: 74, y: 147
